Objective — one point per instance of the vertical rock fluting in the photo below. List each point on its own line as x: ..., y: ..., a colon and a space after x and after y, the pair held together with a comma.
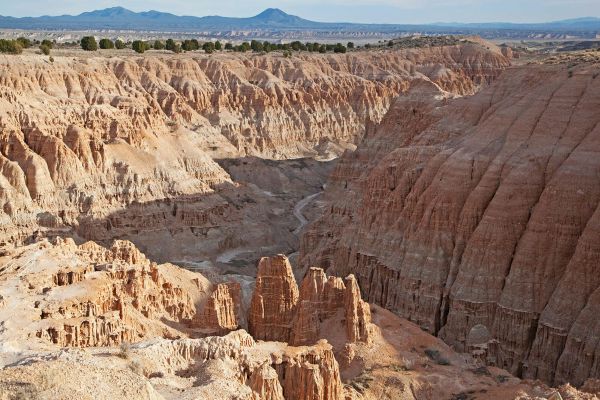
x: 221, y: 313
x: 481, y: 211
x: 101, y: 134
x: 264, y: 381
x: 358, y: 313
x: 274, y: 300
x: 310, y: 373
x: 278, y: 311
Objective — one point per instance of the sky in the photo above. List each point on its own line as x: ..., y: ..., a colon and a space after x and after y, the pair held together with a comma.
x: 367, y: 11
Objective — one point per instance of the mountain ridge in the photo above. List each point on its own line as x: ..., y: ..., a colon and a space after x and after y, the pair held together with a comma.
x: 269, y: 19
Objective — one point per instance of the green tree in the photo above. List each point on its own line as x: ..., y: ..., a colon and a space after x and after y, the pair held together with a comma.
x: 322, y: 49
x: 119, y: 44
x: 106, y: 44
x: 24, y: 42
x: 10, y: 46
x: 255, y: 45
x: 390, y: 43
x: 45, y: 49
x: 190, y: 45
x: 208, y: 47
x: 170, y: 44
x: 350, y: 45
x: 159, y: 45
x: 139, y: 46
x: 218, y: 46
x: 244, y: 47
x: 339, y: 48
x: 88, y: 43
x: 228, y: 46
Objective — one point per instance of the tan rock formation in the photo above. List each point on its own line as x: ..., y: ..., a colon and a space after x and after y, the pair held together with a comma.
x: 281, y: 312
x: 358, y: 313
x: 88, y: 295
x: 83, y: 138
x: 273, y: 301
x: 221, y: 313
x: 481, y: 211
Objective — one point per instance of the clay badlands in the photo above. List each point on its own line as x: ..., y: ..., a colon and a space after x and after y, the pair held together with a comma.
x: 407, y: 223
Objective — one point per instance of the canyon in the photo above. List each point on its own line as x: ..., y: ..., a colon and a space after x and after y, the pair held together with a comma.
x: 408, y: 223
x: 480, y: 216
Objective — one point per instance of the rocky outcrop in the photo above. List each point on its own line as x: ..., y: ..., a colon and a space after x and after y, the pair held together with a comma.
x: 310, y: 373
x: 85, y: 138
x: 273, y: 301
x: 221, y: 313
x: 358, y: 313
x: 89, y: 295
x: 480, y: 211
x: 281, y: 312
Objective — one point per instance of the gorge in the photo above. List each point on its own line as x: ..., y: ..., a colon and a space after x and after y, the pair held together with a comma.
x: 400, y: 223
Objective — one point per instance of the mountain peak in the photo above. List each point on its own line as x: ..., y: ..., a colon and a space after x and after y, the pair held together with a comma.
x: 273, y: 12
x: 108, y: 12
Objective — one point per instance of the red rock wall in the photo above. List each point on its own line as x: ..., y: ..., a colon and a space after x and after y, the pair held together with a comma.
x: 482, y: 210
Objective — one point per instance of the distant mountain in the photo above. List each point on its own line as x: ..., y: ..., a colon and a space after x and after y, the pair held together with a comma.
x: 272, y: 19
x: 122, y: 18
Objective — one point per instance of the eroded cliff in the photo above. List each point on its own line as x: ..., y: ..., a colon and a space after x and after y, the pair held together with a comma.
x: 481, y: 214
x: 109, y: 147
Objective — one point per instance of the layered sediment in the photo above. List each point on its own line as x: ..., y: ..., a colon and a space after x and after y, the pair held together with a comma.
x: 480, y: 213
x: 114, y: 146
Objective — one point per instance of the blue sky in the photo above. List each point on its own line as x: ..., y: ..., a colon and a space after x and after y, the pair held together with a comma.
x: 384, y: 11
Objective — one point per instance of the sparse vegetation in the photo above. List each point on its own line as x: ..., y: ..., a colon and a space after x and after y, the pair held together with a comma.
x: 106, y: 44
x: 436, y: 356
x: 45, y: 49
x: 190, y: 45
x: 119, y: 44
x: 24, y: 42
x: 10, y: 47
x: 139, y: 46
x: 208, y: 47
x: 124, y: 351
x: 89, y: 43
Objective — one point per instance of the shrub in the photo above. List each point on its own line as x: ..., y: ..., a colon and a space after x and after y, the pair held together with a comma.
x: 119, y: 44
x: 436, y: 356
x: 45, y: 49
x: 10, y: 47
x: 24, y: 42
x: 228, y: 46
x: 339, y: 48
x: 51, y: 59
x: 287, y: 54
x: 139, y: 46
x: 88, y: 43
x: 170, y: 44
x: 124, y: 351
x: 208, y: 47
x: 218, y: 46
x: 322, y: 49
x: 190, y: 45
x: 158, y: 45
x: 177, y: 48
x: 106, y: 44
x: 350, y: 45
x: 255, y: 45
x: 48, y: 43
